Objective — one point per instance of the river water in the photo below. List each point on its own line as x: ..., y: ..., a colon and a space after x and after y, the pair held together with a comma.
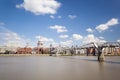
x: 59, y: 68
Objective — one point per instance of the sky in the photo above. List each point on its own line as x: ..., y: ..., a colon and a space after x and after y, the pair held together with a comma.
x: 58, y: 22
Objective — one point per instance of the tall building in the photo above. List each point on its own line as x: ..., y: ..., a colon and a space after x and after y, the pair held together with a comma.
x: 40, y: 44
x: 27, y: 45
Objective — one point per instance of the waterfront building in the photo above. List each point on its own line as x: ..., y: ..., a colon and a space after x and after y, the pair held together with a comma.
x: 39, y: 49
x: 110, y: 48
x: 24, y: 50
x: 11, y: 49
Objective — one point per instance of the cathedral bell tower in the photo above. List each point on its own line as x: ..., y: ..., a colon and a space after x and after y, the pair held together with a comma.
x: 40, y: 44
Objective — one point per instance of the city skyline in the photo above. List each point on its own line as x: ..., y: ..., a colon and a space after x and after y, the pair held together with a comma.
x: 58, y: 22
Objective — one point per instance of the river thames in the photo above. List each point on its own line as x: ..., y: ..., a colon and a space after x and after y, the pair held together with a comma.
x: 59, y: 68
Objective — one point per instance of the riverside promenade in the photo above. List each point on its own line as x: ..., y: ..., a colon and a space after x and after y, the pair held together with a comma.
x: 59, y: 68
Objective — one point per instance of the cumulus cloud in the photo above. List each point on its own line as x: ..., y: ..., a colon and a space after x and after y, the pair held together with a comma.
x: 44, y: 39
x: 91, y: 38
x: 72, y: 16
x: 59, y: 29
x: 10, y: 38
x: 66, y: 43
x: 89, y: 30
x: 103, y: 27
x: 63, y: 36
x: 40, y: 7
x: 77, y: 36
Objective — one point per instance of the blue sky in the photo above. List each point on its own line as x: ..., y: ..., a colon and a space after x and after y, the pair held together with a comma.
x: 58, y: 21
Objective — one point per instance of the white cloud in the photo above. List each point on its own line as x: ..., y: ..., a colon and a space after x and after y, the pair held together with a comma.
x: 112, y: 22
x: 10, y: 38
x: 63, y: 36
x: 103, y: 27
x: 90, y: 30
x: 91, y: 38
x: 52, y: 17
x: 77, y: 36
x: 44, y: 39
x: 118, y: 40
x: 59, y: 29
x: 59, y: 17
x: 40, y: 7
x: 66, y: 43
x: 72, y: 16
x: 101, y: 37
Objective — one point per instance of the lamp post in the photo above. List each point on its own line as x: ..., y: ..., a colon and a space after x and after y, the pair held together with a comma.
x: 51, y: 49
